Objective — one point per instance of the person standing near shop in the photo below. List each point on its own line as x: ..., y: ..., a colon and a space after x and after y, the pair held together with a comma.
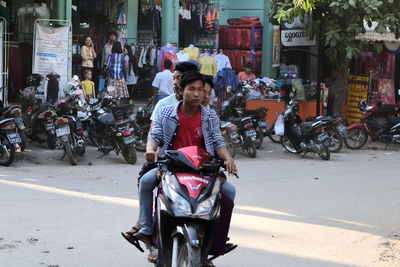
x: 107, y: 48
x: 88, y: 55
x: 163, y: 82
x: 115, y: 70
x: 247, y: 73
x: 130, y: 66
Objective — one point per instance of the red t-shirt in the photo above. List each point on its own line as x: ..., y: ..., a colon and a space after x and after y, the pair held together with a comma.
x: 190, y: 132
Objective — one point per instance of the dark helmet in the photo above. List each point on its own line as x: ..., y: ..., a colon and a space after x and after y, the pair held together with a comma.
x: 34, y: 79
x: 362, y: 105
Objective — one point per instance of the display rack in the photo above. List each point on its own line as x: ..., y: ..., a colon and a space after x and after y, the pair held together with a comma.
x: 254, y: 44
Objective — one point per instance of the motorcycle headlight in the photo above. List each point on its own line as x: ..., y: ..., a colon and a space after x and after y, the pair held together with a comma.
x: 178, y: 201
x: 204, y: 208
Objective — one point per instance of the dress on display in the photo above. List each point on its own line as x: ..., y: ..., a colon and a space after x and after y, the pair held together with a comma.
x: 182, y: 56
x: 222, y: 62
x: 208, y: 66
x: 172, y: 57
x: 52, y: 87
x: 163, y: 51
x: 192, y: 52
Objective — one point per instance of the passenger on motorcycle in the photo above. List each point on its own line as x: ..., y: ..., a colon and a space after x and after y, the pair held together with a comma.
x: 186, y: 123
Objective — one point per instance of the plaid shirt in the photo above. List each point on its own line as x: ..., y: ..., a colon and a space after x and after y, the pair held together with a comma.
x: 166, y: 126
x: 116, y: 66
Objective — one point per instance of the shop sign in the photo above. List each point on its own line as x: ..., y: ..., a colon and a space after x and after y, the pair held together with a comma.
x: 372, y: 35
x: 296, y: 38
x: 276, y: 57
x: 52, y: 52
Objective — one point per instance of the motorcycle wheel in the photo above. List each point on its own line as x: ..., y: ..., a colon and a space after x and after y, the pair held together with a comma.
x: 188, y: 256
x: 251, y: 149
x: 71, y: 155
x: 51, y: 141
x: 356, y: 138
x: 323, y: 152
x: 271, y: 134
x: 129, y: 153
x: 288, y: 146
x: 7, y: 152
x: 143, y: 137
x: 230, y: 146
x: 23, y: 140
x: 336, y: 139
x: 259, y: 138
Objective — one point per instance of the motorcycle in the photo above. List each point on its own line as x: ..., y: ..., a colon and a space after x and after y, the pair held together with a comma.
x: 187, y: 206
x: 9, y: 138
x: 69, y: 128
x: 38, y: 118
x: 231, y: 137
x: 303, y: 136
x: 15, y: 112
x: 141, y: 124
x: 109, y: 128
x: 386, y: 130
x: 335, y: 129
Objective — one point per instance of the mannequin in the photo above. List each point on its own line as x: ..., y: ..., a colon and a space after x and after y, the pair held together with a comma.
x: 5, y: 11
x: 42, y: 12
x: 26, y: 19
x: 193, y: 52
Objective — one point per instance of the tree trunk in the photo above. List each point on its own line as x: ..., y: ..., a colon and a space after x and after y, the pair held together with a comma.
x: 341, y: 90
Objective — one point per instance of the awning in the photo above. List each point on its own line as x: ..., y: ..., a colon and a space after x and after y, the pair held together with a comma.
x: 372, y: 35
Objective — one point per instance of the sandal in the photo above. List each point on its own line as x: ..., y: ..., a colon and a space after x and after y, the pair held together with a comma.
x: 131, y: 239
x: 153, y: 258
x: 229, y: 247
x: 133, y: 231
x: 209, y: 263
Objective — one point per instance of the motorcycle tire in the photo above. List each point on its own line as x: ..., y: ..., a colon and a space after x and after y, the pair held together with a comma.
x: 272, y: 136
x: 187, y: 255
x: 129, y: 153
x: 23, y: 140
x: 5, y: 144
x: 71, y: 155
x: 336, y: 138
x: 324, y: 153
x: 352, y: 134
x: 230, y: 146
x: 288, y: 146
x: 259, y: 138
x: 251, y: 149
x: 51, y: 141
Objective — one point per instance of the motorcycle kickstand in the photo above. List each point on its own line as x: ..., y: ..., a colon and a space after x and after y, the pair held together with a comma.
x: 63, y: 156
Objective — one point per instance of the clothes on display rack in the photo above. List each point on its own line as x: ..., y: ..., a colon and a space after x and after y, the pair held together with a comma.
x: 208, y: 65
x: 182, y: 56
x: 5, y: 12
x: 196, y: 63
x: 26, y: 19
x: 225, y: 78
x: 222, y: 62
x: 172, y: 57
x: 212, y: 20
x: 193, y: 52
x: 52, y: 87
x: 42, y: 12
x: 121, y: 14
x: 163, y: 51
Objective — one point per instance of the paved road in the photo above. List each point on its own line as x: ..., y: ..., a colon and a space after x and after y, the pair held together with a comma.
x: 289, y: 211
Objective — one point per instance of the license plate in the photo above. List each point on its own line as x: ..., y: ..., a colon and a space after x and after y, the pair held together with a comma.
x: 14, y: 138
x: 251, y: 133
x: 49, y: 127
x: 128, y: 139
x: 62, y: 131
x: 322, y: 137
x: 342, y: 129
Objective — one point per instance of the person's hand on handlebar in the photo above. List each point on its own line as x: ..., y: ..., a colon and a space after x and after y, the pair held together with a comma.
x: 230, y: 166
x: 151, y: 156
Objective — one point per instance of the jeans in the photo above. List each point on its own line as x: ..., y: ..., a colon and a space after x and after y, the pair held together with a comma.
x: 159, y: 97
x: 146, y: 186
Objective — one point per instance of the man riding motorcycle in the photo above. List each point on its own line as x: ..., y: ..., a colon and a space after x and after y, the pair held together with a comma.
x: 184, y: 124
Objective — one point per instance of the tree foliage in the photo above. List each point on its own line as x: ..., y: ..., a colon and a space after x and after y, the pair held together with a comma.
x: 337, y: 22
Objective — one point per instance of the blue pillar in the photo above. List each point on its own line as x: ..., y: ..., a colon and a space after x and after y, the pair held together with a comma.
x: 267, y: 49
x: 170, y: 22
x: 132, y: 20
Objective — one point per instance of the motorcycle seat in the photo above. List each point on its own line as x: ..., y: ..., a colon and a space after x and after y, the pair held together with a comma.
x: 307, y: 126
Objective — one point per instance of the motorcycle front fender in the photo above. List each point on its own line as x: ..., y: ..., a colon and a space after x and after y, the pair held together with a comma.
x: 64, y: 138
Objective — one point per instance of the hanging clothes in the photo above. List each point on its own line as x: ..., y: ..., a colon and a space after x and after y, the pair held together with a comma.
x: 208, y: 66
x: 226, y: 77
x: 212, y: 20
x: 182, y: 56
x: 172, y: 57
x: 196, y: 63
x: 222, y: 62
x: 193, y: 52
x: 163, y: 51
x: 52, y: 87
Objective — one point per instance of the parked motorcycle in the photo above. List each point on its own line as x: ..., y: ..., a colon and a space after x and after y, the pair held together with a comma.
x: 231, y: 137
x: 15, y: 113
x: 38, y: 118
x: 334, y: 128
x: 303, y: 136
x: 187, y: 207
x: 69, y: 128
x: 109, y: 129
x: 386, y: 130
x: 9, y: 138
x: 141, y: 122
